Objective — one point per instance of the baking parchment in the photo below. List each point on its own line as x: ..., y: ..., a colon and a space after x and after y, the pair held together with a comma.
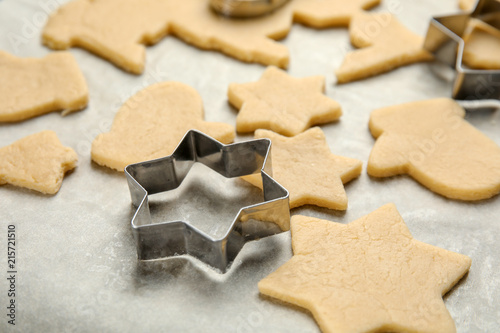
x: 76, y: 260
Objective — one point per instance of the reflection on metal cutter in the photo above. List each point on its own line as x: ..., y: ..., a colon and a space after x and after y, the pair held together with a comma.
x: 245, y: 8
x: 167, y: 239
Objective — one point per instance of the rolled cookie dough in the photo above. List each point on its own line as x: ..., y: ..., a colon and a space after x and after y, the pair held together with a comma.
x: 282, y: 103
x: 151, y: 124
x: 30, y: 87
x: 117, y: 30
x: 482, y: 46
x: 370, y: 275
x: 305, y: 166
x: 385, y: 45
x: 38, y: 162
x: 430, y: 141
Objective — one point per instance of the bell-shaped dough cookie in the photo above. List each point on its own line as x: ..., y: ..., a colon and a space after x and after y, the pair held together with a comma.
x: 151, y: 124
x: 385, y: 45
x: 38, y: 162
x: 117, y: 30
x: 430, y: 141
x: 30, y: 87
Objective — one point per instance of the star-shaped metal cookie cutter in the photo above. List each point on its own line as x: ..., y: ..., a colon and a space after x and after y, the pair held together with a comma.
x: 445, y: 40
x: 167, y: 239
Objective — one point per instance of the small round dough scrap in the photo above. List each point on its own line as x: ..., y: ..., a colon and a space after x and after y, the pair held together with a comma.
x: 430, y: 141
x: 152, y: 123
x: 30, y: 87
x: 370, y: 275
x: 385, y: 45
x: 117, y: 30
x: 305, y: 166
x: 282, y: 103
x: 38, y: 162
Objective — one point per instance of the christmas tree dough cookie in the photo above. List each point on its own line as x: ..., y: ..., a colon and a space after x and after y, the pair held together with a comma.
x: 151, y: 124
x: 385, y: 45
x: 430, y: 141
x: 30, y: 87
x: 305, y: 166
x: 38, y: 162
x: 370, y: 275
x: 281, y: 103
x: 117, y: 30
x: 482, y: 46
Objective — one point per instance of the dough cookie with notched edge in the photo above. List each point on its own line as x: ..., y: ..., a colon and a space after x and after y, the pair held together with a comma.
x: 151, y: 124
x: 305, y: 166
x: 37, y: 162
x: 370, y: 275
x: 117, y: 30
x: 430, y: 141
x: 30, y: 87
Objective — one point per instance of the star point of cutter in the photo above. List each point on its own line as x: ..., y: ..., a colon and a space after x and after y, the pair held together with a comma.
x: 370, y: 275
x: 282, y: 103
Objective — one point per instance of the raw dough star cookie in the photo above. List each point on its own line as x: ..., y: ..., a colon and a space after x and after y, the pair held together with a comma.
x: 386, y: 44
x: 370, y: 275
x: 282, y: 103
x: 482, y: 46
x: 151, y: 124
x: 430, y: 141
x: 30, y: 87
x: 305, y: 166
x: 38, y: 162
x: 118, y: 29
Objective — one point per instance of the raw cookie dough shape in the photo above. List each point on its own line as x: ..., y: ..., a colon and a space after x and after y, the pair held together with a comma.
x: 466, y: 4
x: 30, y: 87
x: 282, y: 103
x: 117, y: 30
x: 482, y: 46
x: 385, y: 45
x: 370, y: 275
x: 305, y: 166
x: 151, y: 123
x: 38, y: 162
x: 430, y: 141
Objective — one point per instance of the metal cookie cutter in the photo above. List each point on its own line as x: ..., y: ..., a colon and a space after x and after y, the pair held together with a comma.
x: 245, y: 8
x: 167, y: 239
x: 445, y: 40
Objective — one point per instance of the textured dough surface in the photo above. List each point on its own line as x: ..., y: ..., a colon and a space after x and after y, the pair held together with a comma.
x: 385, y: 44
x: 30, y: 86
x: 305, y: 166
x: 282, y: 103
x: 151, y: 124
x: 482, y: 46
x: 370, y: 275
x: 430, y: 141
x: 117, y: 30
x: 38, y: 162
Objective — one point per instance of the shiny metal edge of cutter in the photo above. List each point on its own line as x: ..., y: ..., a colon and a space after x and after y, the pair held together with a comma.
x: 166, y: 239
x: 445, y: 41
x: 245, y: 8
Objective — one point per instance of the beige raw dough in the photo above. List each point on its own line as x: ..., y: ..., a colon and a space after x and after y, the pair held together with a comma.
x: 305, y: 166
x: 385, y: 45
x: 152, y: 123
x: 117, y: 30
x: 38, y: 162
x: 430, y: 141
x: 30, y: 86
x: 466, y: 4
x: 282, y: 103
x: 482, y: 46
x: 370, y: 275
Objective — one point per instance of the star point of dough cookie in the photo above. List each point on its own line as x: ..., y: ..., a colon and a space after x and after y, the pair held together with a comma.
x: 430, y: 141
x: 282, y: 103
x: 151, y: 124
x: 482, y: 46
x: 305, y: 166
x: 370, y: 275
x: 384, y: 44
x: 30, y: 87
x: 37, y: 162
